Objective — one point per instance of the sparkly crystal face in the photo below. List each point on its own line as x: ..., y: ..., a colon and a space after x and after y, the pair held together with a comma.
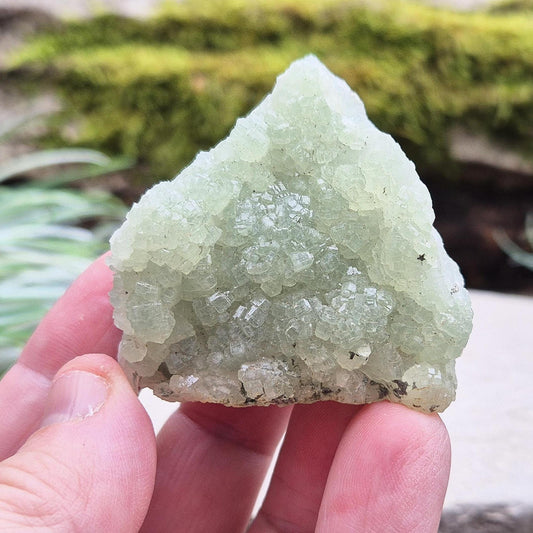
x: 294, y: 262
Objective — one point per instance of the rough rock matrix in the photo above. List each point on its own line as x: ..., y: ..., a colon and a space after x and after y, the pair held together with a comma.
x: 296, y: 261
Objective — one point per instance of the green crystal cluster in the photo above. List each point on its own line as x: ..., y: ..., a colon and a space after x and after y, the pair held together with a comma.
x: 296, y: 261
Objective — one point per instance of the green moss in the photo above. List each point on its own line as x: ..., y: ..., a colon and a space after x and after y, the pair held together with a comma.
x: 160, y: 90
x: 512, y: 6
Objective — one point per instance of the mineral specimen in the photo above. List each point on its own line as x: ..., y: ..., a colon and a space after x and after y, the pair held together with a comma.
x: 296, y: 261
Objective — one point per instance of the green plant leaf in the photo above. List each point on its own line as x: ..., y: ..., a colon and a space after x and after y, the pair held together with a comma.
x: 48, y: 158
x: 43, y: 247
x: 514, y: 251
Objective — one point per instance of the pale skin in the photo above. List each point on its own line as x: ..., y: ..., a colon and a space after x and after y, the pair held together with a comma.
x: 342, y: 468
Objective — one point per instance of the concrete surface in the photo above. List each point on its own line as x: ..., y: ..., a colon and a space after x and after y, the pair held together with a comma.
x: 487, y: 519
x: 490, y: 424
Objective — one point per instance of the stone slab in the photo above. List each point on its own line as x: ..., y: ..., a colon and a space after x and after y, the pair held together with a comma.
x: 491, y: 422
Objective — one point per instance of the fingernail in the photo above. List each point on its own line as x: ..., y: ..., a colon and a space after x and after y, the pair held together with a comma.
x: 74, y: 396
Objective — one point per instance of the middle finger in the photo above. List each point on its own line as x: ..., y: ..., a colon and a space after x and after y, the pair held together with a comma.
x: 211, y: 464
x: 293, y: 498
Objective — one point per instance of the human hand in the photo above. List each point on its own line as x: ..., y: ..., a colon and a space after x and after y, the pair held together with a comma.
x: 78, y: 452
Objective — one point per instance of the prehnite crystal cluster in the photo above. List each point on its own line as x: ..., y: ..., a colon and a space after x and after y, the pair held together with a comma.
x: 296, y: 261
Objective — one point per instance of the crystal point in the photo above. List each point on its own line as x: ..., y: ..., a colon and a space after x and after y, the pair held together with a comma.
x: 296, y: 261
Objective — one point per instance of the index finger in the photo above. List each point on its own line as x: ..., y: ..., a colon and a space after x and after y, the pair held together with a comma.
x: 80, y: 322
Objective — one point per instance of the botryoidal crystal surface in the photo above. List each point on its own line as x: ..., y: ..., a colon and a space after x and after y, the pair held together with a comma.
x: 296, y: 261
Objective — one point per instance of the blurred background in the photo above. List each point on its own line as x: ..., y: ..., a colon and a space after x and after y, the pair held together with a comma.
x: 101, y: 99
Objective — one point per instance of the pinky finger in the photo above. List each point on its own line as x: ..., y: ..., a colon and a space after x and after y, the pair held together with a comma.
x: 390, y: 473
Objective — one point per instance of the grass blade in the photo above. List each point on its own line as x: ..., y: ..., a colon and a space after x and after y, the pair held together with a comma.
x: 47, y: 158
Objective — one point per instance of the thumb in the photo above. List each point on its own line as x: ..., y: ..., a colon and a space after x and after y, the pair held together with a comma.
x: 91, y: 465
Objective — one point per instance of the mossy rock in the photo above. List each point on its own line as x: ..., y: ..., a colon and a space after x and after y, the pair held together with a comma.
x: 161, y: 89
x: 512, y: 6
